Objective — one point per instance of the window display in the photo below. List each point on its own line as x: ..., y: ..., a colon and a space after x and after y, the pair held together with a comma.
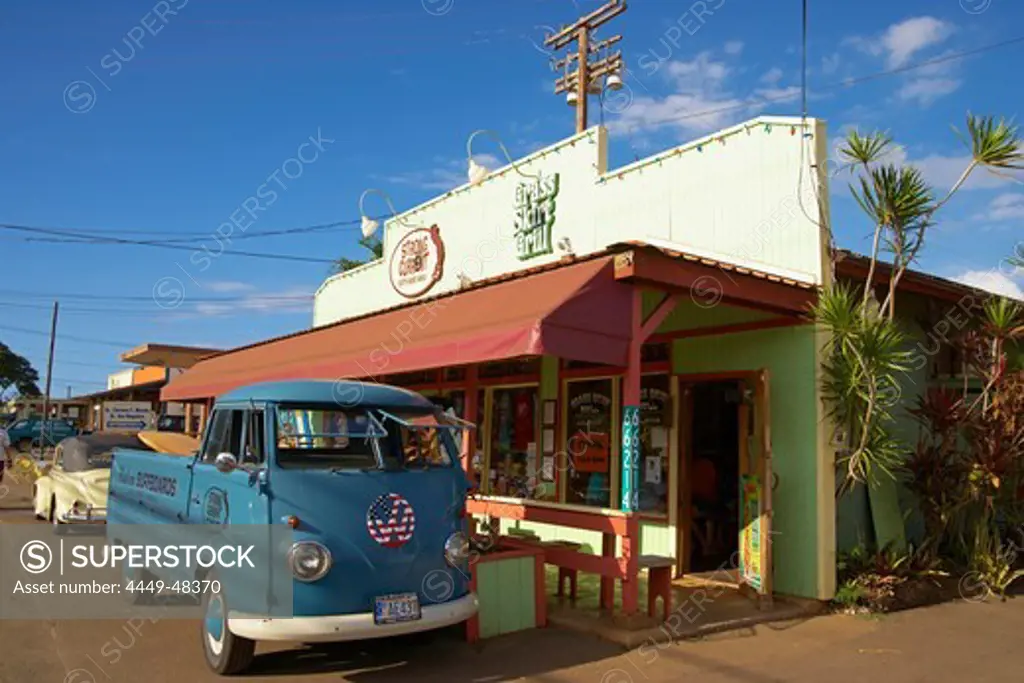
x: 515, y: 460
x: 589, y: 443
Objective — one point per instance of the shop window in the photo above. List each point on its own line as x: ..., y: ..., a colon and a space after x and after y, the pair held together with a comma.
x: 514, y: 454
x: 510, y: 368
x: 656, y: 418
x: 589, y: 449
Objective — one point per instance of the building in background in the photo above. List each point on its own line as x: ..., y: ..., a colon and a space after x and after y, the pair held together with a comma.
x: 132, y: 402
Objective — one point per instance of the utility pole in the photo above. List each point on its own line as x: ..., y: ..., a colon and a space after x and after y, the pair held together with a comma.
x: 49, y: 379
x: 585, y: 80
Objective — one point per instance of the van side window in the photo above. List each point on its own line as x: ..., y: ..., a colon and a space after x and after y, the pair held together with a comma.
x: 225, y: 434
x: 255, y: 451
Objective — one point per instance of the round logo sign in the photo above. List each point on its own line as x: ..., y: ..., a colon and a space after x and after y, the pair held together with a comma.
x: 417, y: 262
x: 391, y: 520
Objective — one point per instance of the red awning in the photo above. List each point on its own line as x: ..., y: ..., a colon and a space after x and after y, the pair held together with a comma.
x: 578, y: 312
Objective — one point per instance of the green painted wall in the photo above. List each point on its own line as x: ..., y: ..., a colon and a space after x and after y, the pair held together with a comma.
x: 789, y: 355
x: 505, y: 589
x: 655, y: 539
x: 688, y: 316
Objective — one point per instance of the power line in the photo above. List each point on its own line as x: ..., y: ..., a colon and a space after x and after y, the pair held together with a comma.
x: 165, y: 236
x: 149, y: 299
x: 158, y: 245
x: 68, y: 337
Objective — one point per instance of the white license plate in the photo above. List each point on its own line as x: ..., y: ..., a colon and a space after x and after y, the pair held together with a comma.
x: 393, y: 608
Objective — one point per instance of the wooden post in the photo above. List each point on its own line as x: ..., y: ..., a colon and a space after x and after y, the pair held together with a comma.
x: 188, y: 419
x: 582, y: 79
x: 469, y: 435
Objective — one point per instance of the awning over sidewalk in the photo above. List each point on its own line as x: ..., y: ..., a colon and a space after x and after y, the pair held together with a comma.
x: 577, y: 311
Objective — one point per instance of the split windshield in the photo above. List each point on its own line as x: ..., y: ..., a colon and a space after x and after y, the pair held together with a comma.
x: 361, y: 438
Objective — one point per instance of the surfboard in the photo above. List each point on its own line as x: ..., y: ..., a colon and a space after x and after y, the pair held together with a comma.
x: 170, y: 442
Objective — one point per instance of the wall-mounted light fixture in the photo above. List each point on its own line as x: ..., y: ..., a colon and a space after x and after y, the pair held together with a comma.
x: 478, y: 172
x: 369, y: 225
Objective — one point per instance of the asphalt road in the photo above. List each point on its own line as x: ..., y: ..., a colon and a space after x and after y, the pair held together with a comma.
x: 953, y: 642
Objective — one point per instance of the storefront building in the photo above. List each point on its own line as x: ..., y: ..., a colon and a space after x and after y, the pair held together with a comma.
x: 632, y: 344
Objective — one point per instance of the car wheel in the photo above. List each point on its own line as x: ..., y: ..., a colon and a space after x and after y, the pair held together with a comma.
x: 226, y: 653
x: 54, y: 519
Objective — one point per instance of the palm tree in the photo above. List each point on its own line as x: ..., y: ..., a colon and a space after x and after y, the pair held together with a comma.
x: 371, y: 244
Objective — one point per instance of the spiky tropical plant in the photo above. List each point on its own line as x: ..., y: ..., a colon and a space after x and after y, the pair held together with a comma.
x: 863, y: 364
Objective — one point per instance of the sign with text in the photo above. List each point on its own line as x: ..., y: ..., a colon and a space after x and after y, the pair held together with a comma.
x: 535, y: 216
x: 127, y: 416
x: 417, y: 262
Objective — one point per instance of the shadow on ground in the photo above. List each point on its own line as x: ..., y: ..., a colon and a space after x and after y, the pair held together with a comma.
x: 439, y: 656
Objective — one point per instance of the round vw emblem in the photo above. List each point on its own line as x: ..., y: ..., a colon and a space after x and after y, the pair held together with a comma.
x: 390, y: 520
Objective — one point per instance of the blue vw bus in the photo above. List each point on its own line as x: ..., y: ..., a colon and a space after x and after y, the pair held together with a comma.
x: 368, y: 478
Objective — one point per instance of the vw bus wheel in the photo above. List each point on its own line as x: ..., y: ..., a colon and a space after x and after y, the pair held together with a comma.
x: 225, y: 652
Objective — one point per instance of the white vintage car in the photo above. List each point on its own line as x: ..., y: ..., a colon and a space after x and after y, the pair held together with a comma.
x: 73, y: 483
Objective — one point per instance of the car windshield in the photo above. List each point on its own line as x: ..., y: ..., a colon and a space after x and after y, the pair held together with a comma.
x: 420, y: 439
x: 327, y: 437
x: 362, y: 438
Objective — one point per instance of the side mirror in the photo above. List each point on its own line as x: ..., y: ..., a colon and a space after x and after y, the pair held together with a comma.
x: 225, y: 462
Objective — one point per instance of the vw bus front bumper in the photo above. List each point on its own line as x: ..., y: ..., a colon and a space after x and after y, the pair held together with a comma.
x: 341, y: 627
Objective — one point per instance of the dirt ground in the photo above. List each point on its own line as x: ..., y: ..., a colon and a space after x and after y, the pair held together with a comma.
x: 958, y: 641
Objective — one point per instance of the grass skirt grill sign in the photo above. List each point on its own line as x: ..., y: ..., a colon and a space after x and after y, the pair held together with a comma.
x: 143, y: 571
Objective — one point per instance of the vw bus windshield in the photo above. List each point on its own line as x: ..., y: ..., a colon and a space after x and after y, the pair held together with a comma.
x: 327, y: 437
x: 422, y: 439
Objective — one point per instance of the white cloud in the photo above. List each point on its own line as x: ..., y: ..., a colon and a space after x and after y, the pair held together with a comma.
x: 700, y: 101
x: 924, y: 91
x: 228, y: 286
x: 733, y: 47
x: 290, y: 300
x: 1006, y: 207
x: 943, y: 171
x: 447, y: 175
x: 899, y: 42
x: 772, y: 76
x: 992, y: 281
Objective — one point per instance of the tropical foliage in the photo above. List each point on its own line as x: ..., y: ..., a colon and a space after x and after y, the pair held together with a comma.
x: 372, y: 244
x: 865, y: 363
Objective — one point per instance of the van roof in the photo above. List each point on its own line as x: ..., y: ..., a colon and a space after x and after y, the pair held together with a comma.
x: 343, y: 393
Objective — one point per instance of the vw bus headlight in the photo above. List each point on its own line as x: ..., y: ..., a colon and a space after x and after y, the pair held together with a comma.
x: 456, y: 549
x: 309, y: 560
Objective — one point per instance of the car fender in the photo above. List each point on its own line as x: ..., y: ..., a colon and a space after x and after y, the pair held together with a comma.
x: 43, y: 491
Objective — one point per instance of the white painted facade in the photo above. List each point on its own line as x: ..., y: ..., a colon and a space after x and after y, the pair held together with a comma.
x: 746, y: 195
x: 121, y: 379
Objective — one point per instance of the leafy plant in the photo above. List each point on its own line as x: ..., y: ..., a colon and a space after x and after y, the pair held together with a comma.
x: 372, y: 244
x: 864, y: 363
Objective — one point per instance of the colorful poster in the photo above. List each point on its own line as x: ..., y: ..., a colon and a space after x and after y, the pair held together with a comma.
x: 750, y: 532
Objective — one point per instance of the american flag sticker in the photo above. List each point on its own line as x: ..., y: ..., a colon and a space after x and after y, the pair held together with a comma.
x: 390, y: 520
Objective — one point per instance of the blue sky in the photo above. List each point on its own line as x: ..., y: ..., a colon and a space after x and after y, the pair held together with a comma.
x: 165, y: 117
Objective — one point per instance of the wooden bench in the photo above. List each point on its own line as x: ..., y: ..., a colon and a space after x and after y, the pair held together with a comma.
x: 659, y: 582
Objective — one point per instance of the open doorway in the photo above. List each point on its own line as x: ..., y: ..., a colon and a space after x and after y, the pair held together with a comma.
x: 712, y: 484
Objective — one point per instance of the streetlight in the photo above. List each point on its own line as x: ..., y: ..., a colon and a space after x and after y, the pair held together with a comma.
x: 369, y: 225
